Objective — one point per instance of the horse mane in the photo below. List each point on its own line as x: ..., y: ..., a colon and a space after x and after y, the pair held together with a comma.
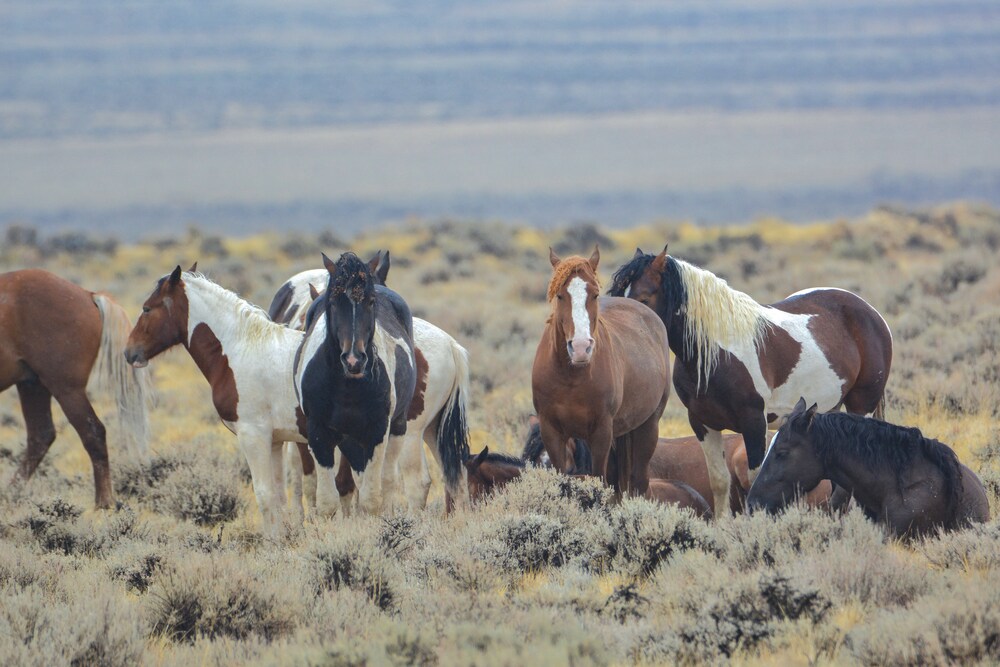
x: 252, y: 323
x: 883, y: 446
x: 353, y: 279
x: 715, y: 314
x: 564, y: 269
x: 507, y: 459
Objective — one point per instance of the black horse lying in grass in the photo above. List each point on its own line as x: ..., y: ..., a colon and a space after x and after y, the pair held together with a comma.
x: 909, y: 483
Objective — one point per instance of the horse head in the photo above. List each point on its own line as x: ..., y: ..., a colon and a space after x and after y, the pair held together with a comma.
x: 573, y: 291
x: 791, y: 466
x: 163, y: 322
x: 350, y: 312
x: 488, y: 472
x: 644, y: 279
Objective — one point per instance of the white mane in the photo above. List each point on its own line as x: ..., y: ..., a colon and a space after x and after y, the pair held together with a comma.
x: 233, y: 315
x: 716, y: 317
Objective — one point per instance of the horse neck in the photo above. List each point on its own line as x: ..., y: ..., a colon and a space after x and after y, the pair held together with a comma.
x: 868, y: 486
x: 222, y: 312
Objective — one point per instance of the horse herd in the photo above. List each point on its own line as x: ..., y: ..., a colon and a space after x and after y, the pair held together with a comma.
x: 341, y: 371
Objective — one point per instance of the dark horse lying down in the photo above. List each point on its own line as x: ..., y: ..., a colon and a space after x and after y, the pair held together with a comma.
x: 909, y: 483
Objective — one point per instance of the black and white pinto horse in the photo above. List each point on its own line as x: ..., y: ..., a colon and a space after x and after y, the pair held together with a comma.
x: 354, y: 375
x: 437, y: 411
x: 740, y: 365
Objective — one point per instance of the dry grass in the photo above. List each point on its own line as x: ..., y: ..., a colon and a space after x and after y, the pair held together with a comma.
x: 550, y: 571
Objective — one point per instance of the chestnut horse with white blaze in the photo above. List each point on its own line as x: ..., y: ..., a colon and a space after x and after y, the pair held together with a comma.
x: 601, y: 374
x: 55, y: 338
x: 247, y: 360
x: 740, y: 365
x: 437, y: 413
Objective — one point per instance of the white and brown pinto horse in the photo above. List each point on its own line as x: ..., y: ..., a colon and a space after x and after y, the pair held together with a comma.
x: 437, y: 413
x: 247, y: 360
x: 740, y: 364
x: 601, y: 374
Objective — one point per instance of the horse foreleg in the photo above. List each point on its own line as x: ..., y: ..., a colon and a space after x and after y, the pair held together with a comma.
x: 600, y: 442
x: 36, y: 406
x: 257, y: 447
x: 81, y: 415
x: 718, y: 471
x: 323, y: 446
x: 754, y: 429
x: 370, y: 481
x: 346, y: 487
x: 308, y: 474
x: 413, y: 468
x: 294, y: 468
x: 390, y: 471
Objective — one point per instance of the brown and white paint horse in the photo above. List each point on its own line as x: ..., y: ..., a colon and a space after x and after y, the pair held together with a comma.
x: 247, y: 360
x: 601, y: 374
x: 55, y: 338
x: 740, y: 364
x: 440, y: 397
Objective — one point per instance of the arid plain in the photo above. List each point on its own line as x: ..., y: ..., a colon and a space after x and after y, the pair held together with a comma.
x: 550, y: 571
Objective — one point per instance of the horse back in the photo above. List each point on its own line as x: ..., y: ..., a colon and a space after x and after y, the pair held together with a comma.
x: 48, y: 326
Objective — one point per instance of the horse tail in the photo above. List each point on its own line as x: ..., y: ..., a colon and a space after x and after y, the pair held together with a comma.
x: 879, y: 412
x: 131, y: 387
x: 453, y: 429
x: 622, y: 450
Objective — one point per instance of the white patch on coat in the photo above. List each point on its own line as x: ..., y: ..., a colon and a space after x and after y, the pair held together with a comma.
x: 578, y: 299
x: 812, y: 377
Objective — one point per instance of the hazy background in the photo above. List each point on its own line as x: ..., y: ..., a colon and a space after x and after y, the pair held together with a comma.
x: 129, y: 117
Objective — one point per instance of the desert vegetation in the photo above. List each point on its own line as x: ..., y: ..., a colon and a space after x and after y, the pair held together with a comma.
x: 550, y: 570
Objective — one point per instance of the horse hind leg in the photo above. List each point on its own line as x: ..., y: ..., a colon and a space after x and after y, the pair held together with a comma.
x: 414, y: 471
x: 36, y: 406
x: 81, y: 415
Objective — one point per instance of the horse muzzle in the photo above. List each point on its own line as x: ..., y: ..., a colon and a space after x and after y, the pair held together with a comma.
x: 354, y: 364
x: 135, y: 359
x: 580, y: 351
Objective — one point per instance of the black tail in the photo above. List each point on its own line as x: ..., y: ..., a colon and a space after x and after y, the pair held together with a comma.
x: 453, y: 439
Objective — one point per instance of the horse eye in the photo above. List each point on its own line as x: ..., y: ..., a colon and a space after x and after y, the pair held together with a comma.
x: 559, y: 296
x: 781, y: 454
x: 145, y: 309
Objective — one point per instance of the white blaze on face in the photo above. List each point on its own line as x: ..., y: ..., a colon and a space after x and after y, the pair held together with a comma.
x: 581, y: 318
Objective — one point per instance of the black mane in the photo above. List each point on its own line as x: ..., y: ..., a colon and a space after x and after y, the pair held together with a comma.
x: 497, y: 457
x: 353, y: 279
x: 880, y: 445
x: 672, y: 294
x: 628, y: 273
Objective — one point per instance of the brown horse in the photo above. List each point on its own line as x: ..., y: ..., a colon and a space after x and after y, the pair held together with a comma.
x: 740, y: 364
x: 488, y: 472
x: 677, y: 459
x: 601, y: 374
x: 54, y: 338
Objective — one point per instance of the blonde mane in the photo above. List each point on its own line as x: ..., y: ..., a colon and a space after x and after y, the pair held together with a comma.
x: 564, y: 269
x: 249, y: 323
x: 717, y: 316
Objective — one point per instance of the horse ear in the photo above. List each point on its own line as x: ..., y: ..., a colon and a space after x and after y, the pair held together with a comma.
x: 595, y: 257
x: 379, y: 265
x: 638, y: 253
x: 313, y: 292
x: 329, y: 264
x: 660, y: 261
x: 194, y: 267
x: 175, y: 277
x: 478, y: 461
x: 554, y: 259
x: 810, y: 413
x: 800, y: 406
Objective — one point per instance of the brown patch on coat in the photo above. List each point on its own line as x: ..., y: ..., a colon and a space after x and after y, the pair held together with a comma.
x: 301, y: 423
x: 206, y: 350
x: 777, y: 355
x: 417, y: 403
